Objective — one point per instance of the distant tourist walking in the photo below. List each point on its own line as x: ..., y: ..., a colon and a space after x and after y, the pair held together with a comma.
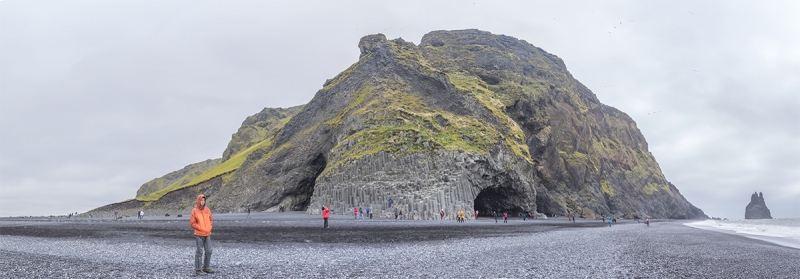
x: 369, y: 212
x: 505, y: 217
x: 395, y: 213
x: 325, y: 214
x: 401, y: 215
x: 647, y: 222
x: 441, y: 215
x: 415, y: 216
x: 355, y: 213
x: 476, y: 215
x: 390, y: 203
x: 115, y: 214
x: 202, y: 223
x: 248, y: 212
x: 494, y: 213
x: 609, y: 222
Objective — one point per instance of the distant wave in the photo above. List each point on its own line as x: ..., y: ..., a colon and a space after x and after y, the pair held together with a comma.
x: 784, y: 232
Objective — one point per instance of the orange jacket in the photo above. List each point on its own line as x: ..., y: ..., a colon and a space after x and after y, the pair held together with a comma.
x: 201, y: 220
x: 326, y: 213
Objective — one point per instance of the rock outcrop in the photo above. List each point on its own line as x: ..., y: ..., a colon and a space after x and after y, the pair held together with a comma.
x: 177, y: 178
x: 757, y: 209
x: 467, y: 120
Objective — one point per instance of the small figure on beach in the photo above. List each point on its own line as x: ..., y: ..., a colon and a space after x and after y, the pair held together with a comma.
x: 115, y: 214
x: 609, y: 221
x: 202, y: 222
x: 361, y: 213
x: 395, y: 213
x: 441, y: 215
x: 476, y: 215
x: 248, y: 212
x: 647, y: 222
x: 390, y: 203
x: 355, y: 212
x: 505, y: 217
x: 494, y: 213
x: 325, y: 214
x: 524, y: 216
x: 401, y: 215
x: 369, y: 212
x: 416, y: 214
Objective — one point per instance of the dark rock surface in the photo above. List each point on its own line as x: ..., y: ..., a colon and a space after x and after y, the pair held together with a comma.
x: 757, y: 208
x: 466, y: 120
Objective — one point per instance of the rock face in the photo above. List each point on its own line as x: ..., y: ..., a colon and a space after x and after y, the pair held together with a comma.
x: 467, y: 120
x: 257, y: 128
x: 757, y: 209
x: 178, y: 177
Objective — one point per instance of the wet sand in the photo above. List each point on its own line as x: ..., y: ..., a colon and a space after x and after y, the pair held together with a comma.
x: 294, y: 245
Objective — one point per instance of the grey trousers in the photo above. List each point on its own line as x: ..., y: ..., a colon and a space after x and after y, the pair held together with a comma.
x: 203, y: 243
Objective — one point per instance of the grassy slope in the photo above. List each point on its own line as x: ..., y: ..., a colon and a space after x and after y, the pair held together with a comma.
x: 228, y: 166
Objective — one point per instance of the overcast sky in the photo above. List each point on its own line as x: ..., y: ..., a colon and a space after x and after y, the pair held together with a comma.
x: 97, y: 98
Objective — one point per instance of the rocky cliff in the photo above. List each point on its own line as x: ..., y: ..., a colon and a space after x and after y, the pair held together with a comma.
x: 466, y: 120
x: 177, y: 178
x: 757, y: 208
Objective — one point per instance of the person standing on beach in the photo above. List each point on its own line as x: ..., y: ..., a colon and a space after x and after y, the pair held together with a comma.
x: 441, y: 215
x: 248, y: 212
x: 401, y: 215
x: 609, y: 222
x: 369, y: 212
x: 494, y: 213
x: 415, y: 215
x: 505, y: 217
x: 355, y: 213
x: 647, y: 222
x: 476, y: 215
x: 325, y: 214
x: 202, y: 223
x: 395, y: 213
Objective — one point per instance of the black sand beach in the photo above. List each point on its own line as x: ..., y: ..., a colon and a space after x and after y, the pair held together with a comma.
x: 293, y: 245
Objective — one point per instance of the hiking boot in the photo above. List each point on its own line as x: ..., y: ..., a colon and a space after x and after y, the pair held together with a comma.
x: 199, y: 272
x: 208, y: 270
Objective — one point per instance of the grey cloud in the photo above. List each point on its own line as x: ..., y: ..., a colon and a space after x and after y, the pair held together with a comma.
x: 99, y: 97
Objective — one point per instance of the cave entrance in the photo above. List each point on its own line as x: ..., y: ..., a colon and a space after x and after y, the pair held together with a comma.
x: 498, y: 199
x: 306, y: 185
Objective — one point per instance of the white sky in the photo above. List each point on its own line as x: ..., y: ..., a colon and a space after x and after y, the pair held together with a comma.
x: 97, y: 98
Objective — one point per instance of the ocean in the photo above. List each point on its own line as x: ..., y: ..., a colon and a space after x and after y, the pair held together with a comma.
x: 784, y: 232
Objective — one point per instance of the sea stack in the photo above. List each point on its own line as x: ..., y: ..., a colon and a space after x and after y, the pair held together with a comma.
x: 757, y: 209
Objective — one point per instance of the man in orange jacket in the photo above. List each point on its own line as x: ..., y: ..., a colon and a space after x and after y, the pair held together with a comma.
x: 202, y: 222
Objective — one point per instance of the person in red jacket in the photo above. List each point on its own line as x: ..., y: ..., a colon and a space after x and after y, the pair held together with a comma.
x: 505, y: 217
x: 202, y: 222
x: 325, y: 215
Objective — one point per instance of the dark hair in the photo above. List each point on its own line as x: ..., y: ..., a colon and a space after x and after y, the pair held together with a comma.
x: 323, y: 207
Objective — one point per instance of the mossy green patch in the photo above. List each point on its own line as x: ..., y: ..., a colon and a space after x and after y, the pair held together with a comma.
x: 226, y: 167
x: 606, y: 188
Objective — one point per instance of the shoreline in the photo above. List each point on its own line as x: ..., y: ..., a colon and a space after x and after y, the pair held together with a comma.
x: 758, y: 234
